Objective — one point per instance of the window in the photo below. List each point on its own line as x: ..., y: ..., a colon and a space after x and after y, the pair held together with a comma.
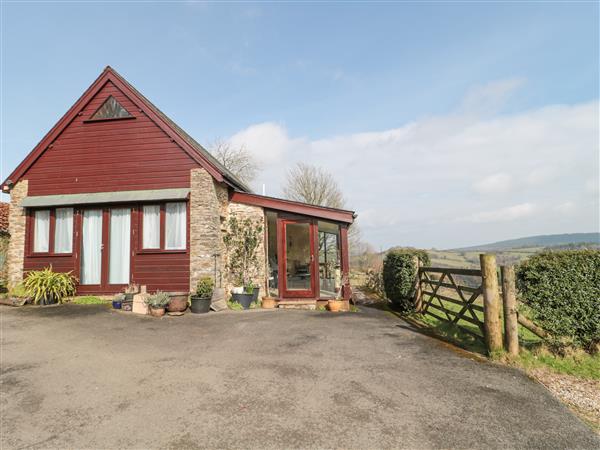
x: 151, y: 227
x: 53, y: 231
x: 110, y: 109
x: 175, y: 224
x: 63, y: 230
x: 41, y: 231
x: 164, y: 227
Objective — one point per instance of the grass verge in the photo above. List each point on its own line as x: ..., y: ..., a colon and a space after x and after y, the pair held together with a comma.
x: 89, y: 300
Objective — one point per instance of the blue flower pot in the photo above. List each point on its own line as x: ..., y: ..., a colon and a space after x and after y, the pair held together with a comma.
x: 117, y: 304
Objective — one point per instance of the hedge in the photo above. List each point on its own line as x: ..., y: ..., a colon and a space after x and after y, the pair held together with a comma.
x: 562, y: 289
x: 399, y: 272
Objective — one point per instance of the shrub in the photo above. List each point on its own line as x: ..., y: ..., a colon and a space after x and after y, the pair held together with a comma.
x: 158, y: 300
x: 242, y: 240
x: 205, y: 287
x: 19, y: 291
x: 562, y: 290
x: 48, y: 286
x: 399, y: 272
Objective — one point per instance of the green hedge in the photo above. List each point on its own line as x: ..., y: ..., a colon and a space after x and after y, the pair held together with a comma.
x: 562, y: 289
x: 399, y: 272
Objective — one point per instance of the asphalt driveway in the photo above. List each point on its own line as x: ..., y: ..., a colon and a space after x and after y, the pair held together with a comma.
x: 88, y: 377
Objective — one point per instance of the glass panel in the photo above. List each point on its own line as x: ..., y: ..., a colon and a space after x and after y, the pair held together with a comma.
x: 110, y: 109
x: 330, y: 273
x: 118, y: 268
x: 297, y: 243
x: 273, y: 269
x: 91, y: 248
x: 151, y: 227
x: 41, y: 231
x: 63, y: 230
x: 175, y: 226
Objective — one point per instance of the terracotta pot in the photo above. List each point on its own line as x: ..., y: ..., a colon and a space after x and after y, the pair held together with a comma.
x: 178, y: 303
x: 268, y: 303
x: 157, y: 312
x: 335, y: 305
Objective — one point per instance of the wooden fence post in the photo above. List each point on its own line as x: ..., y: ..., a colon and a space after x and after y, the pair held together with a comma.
x: 418, y: 293
x: 491, y: 303
x: 509, y: 300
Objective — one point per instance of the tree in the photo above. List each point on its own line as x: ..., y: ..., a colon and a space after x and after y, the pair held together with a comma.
x: 238, y: 160
x: 313, y: 185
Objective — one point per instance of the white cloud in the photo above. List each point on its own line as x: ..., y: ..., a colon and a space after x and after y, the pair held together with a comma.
x: 565, y: 208
x: 417, y: 180
x: 497, y: 183
x: 507, y: 214
x: 490, y: 97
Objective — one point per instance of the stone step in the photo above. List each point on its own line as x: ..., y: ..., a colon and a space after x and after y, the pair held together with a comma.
x: 297, y: 304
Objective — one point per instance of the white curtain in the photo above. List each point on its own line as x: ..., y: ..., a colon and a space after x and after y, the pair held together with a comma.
x: 63, y: 230
x: 118, y: 268
x: 91, y: 249
x: 175, y: 224
x: 151, y: 226
x: 41, y: 231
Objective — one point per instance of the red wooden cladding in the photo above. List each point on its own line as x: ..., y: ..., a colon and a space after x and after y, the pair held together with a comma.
x: 110, y: 156
x: 158, y: 270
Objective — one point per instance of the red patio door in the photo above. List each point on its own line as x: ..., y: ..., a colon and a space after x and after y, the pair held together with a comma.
x: 297, y: 258
x: 104, y: 258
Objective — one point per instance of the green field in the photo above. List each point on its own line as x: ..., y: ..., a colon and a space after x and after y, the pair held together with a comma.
x: 470, y: 259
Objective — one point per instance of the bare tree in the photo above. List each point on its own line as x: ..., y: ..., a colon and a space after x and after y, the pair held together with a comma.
x: 314, y: 185
x: 237, y: 160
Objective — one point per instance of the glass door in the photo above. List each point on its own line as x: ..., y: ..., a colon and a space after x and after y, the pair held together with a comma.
x: 119, y: 247
x: 298, y: 259
x: 91, y: 247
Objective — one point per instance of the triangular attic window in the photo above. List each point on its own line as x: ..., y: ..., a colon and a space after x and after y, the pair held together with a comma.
x: 110, y: 109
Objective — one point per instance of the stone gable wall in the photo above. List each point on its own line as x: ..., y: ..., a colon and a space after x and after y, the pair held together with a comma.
x: 206, y: 215
x: 210, y: 210
x: 15, y: 256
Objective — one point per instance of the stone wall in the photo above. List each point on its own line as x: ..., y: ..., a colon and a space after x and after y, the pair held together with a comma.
x: 210, y: 210
x: 207, y: 212
x: 16, y: 227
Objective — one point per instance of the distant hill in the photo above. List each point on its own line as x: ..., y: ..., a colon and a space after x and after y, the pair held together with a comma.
x: 548, y: 240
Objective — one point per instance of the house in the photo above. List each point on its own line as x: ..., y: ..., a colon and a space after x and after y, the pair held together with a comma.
x: 117, y: 193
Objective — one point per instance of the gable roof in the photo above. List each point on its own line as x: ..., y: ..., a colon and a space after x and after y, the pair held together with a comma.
x: 179, y: 136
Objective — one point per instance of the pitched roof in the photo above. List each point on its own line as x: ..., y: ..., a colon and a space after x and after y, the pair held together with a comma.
x: 190, y: 140
x: 184, y: 140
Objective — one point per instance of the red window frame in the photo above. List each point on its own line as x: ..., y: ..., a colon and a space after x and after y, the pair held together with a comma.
x: 162, y: 231
x: 51, y: 230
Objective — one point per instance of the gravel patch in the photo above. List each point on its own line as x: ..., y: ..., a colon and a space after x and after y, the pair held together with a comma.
x: 582, y: 395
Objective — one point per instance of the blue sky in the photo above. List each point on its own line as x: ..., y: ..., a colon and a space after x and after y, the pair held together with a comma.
x: 368, y: 91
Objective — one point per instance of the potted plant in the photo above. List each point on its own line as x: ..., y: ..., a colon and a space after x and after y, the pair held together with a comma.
x: 268, y: 302
x: 178, y: 303
x: 47, y: 287
x: 242, y: 239
x: 338, y: 303
x: 200, y: 300
x: 157, y: 303
x: 117, y: 302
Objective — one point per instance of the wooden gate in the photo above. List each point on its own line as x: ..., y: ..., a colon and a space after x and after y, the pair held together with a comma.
x: 440, y: 295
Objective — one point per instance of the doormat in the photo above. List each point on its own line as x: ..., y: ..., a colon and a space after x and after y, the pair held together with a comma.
x: 219, y: 300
